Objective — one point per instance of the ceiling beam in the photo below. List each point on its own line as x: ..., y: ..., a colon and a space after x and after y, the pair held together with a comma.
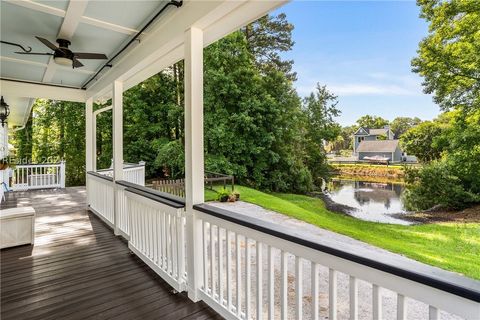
x: 34, y: 90
x: 70, y: 23
x: 61, y: 13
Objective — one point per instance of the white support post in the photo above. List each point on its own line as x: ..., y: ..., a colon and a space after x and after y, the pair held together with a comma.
x: 194, y: 171
x: 89, y: 153
x: 94, y: 142
x: 62, y: 174
x: 117, y: 106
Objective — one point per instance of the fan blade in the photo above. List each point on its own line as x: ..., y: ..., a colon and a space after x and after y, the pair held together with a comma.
x: 36, y: 53
x: 47, y: 43
x: 87, y: 55
x: 76, y: 63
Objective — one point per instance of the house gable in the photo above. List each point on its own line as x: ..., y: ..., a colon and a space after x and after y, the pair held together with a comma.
x: 361, y: 132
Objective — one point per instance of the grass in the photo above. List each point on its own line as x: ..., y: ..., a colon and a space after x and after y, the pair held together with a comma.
x: 450, y: 246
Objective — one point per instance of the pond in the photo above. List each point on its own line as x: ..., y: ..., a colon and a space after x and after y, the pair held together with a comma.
x: 372, y: 200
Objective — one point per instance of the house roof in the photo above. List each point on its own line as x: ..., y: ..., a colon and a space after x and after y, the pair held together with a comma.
x: 373, y: 132
x: 378, y: 146
x: 378, y: 131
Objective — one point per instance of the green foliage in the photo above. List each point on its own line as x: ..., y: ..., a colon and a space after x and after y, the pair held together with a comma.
x: 449, y: 57
x: 222, y: 194
x: 171, y: 158
x: 435, y: 184
x: 54, y: 132
x: 424, y: 141
x: 454, y: 179
x: 400, y: 125
x: 372, y: 122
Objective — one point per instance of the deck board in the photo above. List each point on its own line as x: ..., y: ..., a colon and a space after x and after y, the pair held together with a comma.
x: 78, y: 269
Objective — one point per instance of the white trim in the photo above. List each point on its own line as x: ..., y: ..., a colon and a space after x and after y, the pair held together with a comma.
x: 38, y: 90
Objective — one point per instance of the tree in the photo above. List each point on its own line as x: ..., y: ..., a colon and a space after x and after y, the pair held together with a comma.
x: 320, y: 109
x: 423, y: 141
x: 372, y: 122
x: 400, y: 125
x: 266, y: 38
x: 449, y: 57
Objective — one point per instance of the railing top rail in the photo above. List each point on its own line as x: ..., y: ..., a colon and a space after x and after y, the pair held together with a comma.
x: 98, y: 175
x: 125, y: 166
x: 171, y: 200
x: 153, y: 197
x: 31, y: 165
x: 418, y: 272
x: 219, y: 174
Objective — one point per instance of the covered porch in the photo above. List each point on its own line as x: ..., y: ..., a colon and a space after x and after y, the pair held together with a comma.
x: 240, y: 267
x: 78, y: 269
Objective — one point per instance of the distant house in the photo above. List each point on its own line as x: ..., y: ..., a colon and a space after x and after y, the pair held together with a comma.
x: 372, y: 144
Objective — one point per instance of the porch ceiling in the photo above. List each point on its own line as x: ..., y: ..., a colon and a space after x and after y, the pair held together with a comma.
x: 104, y: 27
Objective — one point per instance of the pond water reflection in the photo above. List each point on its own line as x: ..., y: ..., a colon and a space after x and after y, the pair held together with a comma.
x: 369, y: 200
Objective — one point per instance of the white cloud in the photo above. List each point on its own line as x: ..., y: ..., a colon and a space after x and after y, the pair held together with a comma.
x: 378, y: 84
x: 354, y: 89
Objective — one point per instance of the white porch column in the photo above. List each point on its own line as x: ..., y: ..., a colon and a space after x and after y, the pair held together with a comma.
x: 89, y: 152
x: 194, y: 172
x: 117, y: 106
x: 94, y: 141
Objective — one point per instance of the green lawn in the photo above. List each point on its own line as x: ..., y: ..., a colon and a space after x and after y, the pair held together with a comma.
x: 451, y: 246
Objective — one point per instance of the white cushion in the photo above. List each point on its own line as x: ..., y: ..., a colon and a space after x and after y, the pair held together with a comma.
x: 16, y: 212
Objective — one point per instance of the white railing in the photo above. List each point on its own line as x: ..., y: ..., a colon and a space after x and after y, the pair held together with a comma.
x: 122, y: 223
x: 251, y: 269
x: 250, y: 273
x: 100, y: 197
x: 134, y: 173
x: 157, y: 236
x: 38, y: 176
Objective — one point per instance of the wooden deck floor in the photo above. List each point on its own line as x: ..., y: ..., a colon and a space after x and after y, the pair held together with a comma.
x: 79, y: 270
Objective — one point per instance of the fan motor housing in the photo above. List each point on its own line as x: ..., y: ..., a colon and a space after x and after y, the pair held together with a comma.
x: 63, y: 51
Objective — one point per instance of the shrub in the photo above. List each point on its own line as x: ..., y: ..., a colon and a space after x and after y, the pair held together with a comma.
x: 436, y: 184
x: 223, y: 195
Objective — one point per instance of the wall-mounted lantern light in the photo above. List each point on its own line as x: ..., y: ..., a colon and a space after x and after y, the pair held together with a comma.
x: 4, y: 111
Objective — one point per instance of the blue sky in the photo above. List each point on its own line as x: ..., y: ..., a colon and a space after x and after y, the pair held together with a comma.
x: 362, y: 51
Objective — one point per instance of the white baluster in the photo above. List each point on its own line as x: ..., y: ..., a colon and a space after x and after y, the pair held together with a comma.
x: 259, y: 255
x: 271, y: 284
x: 377, y: 302
x: 353, y: 298
x: 220, y: 265
x: 401, y: 307
x: 239, y: 275
x: 248, y: 281
x: 332, y: 294
x: 229, y: 271
x: 433, y: 313
x: 299, y: 287
x: 315, y: 302
x: 284, y: 286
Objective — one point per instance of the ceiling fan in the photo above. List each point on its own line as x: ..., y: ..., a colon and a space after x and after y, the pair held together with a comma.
x: 64, y: 56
